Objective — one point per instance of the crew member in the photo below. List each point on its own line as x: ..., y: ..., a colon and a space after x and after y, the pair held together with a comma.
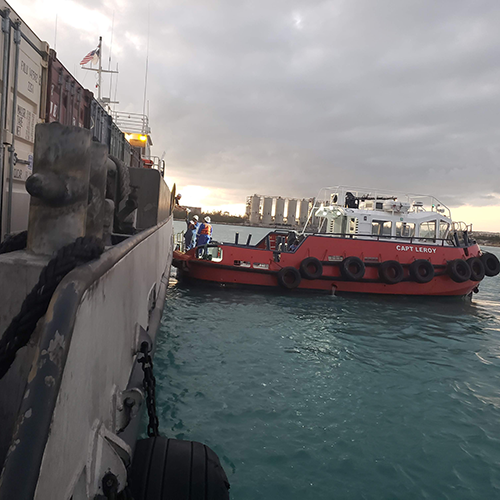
x: 190, y: 234
x: 204, y: 232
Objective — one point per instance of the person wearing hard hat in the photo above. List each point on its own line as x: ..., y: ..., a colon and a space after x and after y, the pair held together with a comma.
x: 190, y: 235
x: 204, y: 232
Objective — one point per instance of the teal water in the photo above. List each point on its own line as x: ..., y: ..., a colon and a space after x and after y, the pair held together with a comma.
x: 321, y: 397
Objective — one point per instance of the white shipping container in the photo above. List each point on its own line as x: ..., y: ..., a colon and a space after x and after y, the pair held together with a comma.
x: 29, y: 100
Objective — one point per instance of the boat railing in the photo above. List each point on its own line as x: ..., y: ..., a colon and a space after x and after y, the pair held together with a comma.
x: 179, y: 242
x: 451, y: 240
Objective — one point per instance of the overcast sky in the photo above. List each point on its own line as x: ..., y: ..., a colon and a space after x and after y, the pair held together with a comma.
x: 284, y: 97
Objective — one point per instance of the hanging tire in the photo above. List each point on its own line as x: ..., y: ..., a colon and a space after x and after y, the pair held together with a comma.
x: 352, y: 268
x: 311, y: 268
x: 177, y: 470
x: 421, y: 271
x: 459, y: 270
x: 289, y: 278
x: 391, y: 272
x: 491, y: 264
x: 477, y: 269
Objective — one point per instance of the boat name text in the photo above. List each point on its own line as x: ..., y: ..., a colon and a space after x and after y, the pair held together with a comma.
x: 410, y: 248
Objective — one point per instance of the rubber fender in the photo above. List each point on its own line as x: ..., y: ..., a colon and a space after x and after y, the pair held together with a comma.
x: 177, y: 470
x: 491, y: 264
x: 459, y: 270
x: 289, y: 278
x: 477, y: 268
x: 352, y: 268
x: 311, y: 268
x: 391, y: 272
x: 421, y: 271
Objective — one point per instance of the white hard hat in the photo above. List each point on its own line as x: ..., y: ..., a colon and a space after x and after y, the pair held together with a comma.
x: 207, y: 219
x: 195, y: 217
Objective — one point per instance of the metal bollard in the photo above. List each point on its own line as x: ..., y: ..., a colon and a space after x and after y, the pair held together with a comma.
x: 97, y: 189
x: 59, y: 187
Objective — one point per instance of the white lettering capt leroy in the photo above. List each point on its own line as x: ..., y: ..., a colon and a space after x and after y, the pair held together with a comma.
x: 412, y: 248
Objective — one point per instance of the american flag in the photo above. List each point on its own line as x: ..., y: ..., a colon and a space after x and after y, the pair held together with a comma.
x: 92, y: 56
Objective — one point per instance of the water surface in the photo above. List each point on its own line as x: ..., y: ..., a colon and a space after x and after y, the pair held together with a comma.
x: 320, y: 397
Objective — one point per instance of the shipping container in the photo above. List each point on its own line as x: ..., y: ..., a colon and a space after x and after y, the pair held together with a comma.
x: 23, y: 90
x: 99, y: 121
x: 67, y: 101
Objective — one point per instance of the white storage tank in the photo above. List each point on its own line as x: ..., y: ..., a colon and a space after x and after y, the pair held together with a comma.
x: 292, y: 212
x: 280, y: 210
x: 254, y: 209
x: 267, y: 211
x: 304, y: 211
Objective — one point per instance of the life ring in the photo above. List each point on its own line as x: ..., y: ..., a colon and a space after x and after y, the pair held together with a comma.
x: 459, y: 270
x: 477, y: 268
x: 391, y: 272
x: 311, y: 268
x: 421, y: 271
x: 289, y: 278
x: 491, y: 264
x: 176, y: 469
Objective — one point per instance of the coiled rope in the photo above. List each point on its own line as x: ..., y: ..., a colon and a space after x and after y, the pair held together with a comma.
x: 37, y: 301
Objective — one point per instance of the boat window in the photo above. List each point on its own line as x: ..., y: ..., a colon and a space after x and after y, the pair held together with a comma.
x: 428, y: 229
x: 405, y: 229
x: 381, y: 228
x: 443, y: 228
x: 212, y: 253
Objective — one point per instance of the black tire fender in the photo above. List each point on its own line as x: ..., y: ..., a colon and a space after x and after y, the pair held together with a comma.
x: 421, y: 271
x: 491, y: 264
x: 352, y: 268
x: 178, y: 470
x: 477, y: 268
x: 289, y: 278
x: 391, y: 272
x: 311, y: 268
x: 459, y: 270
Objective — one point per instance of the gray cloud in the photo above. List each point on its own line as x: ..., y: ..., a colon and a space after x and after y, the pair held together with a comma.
x: 284, y: 97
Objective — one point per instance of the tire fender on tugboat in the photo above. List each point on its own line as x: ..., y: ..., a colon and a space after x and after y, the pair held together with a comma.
x: 477, y: 268
x: 352, y: 268
x: 459, y: 270
x: 421, y: 271
x: 391, y: 272
x: 491, y: 264
x: 311, y: 268
x: 289, y: 278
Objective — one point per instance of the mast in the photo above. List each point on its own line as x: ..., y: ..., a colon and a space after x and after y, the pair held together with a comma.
x: 99, y: 72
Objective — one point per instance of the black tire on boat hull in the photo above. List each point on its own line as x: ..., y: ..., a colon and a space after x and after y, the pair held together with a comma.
x: 421, y: 271
x: 459, y: 270
x: 352, y: 268
x: 177, y: 470
x: 289, y: 278
x: 311, y: 268
x: 477, y: 269
x: 491, y: 264
x: 391, y: 272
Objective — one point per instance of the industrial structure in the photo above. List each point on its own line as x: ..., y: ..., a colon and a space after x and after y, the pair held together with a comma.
x: 277, y: 211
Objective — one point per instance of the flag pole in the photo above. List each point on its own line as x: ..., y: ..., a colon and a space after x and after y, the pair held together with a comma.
x: 100, y: 69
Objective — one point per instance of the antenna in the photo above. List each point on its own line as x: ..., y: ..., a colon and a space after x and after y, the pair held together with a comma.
x: 55, y: 35
x: 110, y: 50
x: 146, y: 75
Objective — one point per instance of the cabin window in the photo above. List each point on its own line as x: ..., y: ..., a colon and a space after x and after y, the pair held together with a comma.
x: 381, y: 228
x: 405, y: 229
x: 353, y: 225
x: 212, y: 253
x: 443, y: 229
x: 428, y: 229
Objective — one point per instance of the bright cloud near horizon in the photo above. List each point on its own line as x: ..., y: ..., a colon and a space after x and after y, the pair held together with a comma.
x: 282, y: 97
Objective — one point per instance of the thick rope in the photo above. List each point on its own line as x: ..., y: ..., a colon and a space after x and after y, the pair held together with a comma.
x: 37, y: 301
x: 14, y: 242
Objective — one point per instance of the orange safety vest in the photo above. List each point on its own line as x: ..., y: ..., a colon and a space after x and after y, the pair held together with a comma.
x: 206, y: 229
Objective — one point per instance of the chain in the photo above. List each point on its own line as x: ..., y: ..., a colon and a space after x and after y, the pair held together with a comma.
x: 149, y: 385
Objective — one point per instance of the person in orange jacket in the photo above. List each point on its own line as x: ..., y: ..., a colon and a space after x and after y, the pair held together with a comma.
x: 204, y: 232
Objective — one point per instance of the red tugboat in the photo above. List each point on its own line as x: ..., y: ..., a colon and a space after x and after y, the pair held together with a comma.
x: 357, y: 241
